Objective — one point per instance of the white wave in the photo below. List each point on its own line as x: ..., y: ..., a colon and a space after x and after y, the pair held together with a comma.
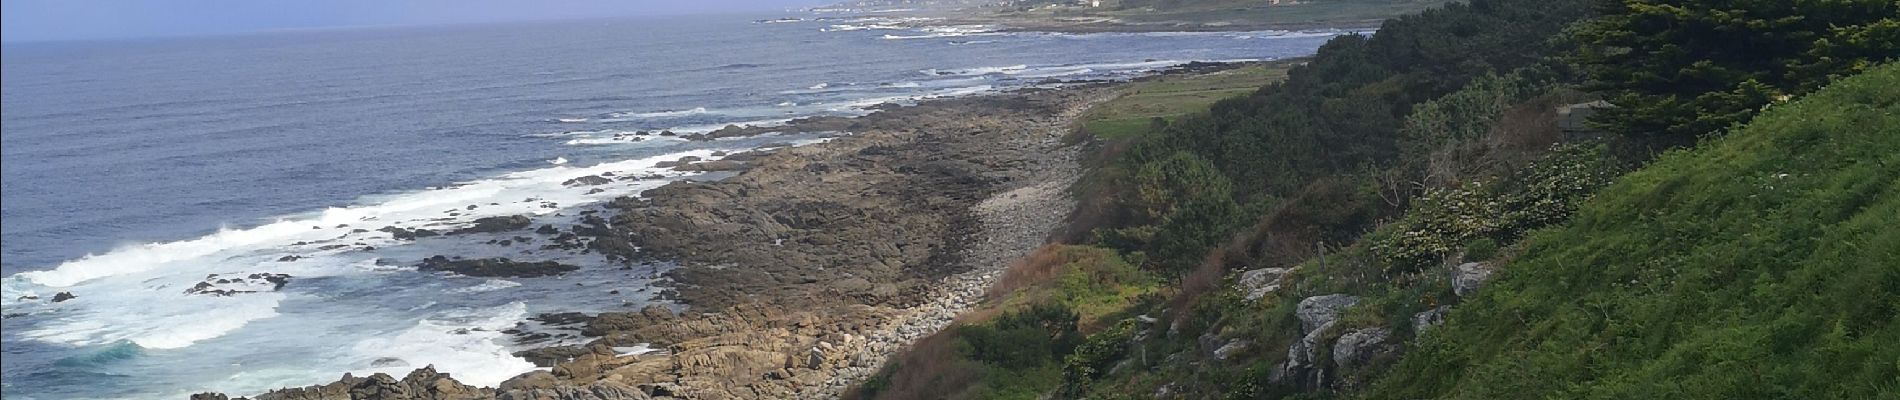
x: 137, y: 293
x: 934, y: 35
x: 558, y: 161
x: 488, y: 286
x: 978, y: 70
x: 959, y: 29
x: 851, y: 27
x: 662, y: 114
x: 819, y: 86
x: 99, y: 318
x: 468, y: 342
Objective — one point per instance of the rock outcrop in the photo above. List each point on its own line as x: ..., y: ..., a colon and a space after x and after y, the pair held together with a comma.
x: 810, y: 267
x: 422, y: 384
x: 495, y: 267
x: 1317, y: 316
x: 220, y: 285
x: 1257, y: 284
x: 1427, y: 319
x: 497, y: 224
x: 1468, y: 277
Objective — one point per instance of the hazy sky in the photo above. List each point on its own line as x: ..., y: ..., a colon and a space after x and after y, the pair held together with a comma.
x: 37, y: 20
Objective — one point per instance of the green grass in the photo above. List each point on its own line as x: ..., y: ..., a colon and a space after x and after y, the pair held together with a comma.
x: 1764, y: 264
x: 1172, y: 96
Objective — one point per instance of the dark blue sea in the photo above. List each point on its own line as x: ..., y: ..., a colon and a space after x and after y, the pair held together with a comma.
x: 132, y: 171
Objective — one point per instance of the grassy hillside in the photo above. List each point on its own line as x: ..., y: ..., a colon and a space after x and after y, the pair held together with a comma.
x: 1307, y: 240
x: 1764, y: 264
x: 1170, y: 96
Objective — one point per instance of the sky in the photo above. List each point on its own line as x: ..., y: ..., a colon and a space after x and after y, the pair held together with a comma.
x: 44, y: 20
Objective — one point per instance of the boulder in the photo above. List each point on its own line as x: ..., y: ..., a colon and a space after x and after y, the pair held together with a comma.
x: 590, y: 180
x: 497, y: 224
x: 495, y: 267
x: 408, y: 234
x: 547, y: 230
x: 1468, y: 277
x: 1318, y: 311
x: 1317, y: 314
x: 530, y: 381
x: 1427, y: 319
x: 217, y: 285
x: 1357, y: 347
x: 1260, y: 282
x: 64, y: 296
x: 421, y: 384
x: 712, y: 166
x: 1229, y: 349
x: 815, y: 358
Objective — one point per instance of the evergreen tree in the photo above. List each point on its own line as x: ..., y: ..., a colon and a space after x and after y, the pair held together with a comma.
x: 1680, y: 69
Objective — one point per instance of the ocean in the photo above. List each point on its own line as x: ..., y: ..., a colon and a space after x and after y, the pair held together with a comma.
x: 133, y: 171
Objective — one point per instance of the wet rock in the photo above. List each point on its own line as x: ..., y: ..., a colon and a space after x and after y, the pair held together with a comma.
x: 550, y: 356
x: 1468, y: 277
x: 497, y: 224
x: 712, y: 166
x: 547, y: 230
x: 590, y: 180
x: 562, y: 318
x: 408, y: 234
x: 64, y: 296
x: 495, y: 267
x: 288, y: 258
x: 216, y: 285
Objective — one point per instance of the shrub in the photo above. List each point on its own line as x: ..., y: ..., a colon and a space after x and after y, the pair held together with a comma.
x: 1443, y: 221
x: 1481, y: 249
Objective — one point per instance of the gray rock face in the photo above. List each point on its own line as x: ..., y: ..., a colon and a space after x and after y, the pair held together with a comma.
x: 815, y: 359
x: 1318, y: 311
x: 1261, y: 282
x: 1427, y: 319
x: 1317, y: 315
x: 1355, y: 348
x: 1468, y: 277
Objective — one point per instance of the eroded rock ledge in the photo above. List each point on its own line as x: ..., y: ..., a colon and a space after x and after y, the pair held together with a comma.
x: 807, y: 269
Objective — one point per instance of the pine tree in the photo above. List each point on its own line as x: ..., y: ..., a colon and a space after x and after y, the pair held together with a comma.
x: 1680, y: 69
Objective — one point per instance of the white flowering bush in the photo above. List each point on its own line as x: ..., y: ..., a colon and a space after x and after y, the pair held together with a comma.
x: 1442, y: 221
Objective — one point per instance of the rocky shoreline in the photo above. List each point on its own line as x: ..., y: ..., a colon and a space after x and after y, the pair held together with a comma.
x: 812, y: 264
